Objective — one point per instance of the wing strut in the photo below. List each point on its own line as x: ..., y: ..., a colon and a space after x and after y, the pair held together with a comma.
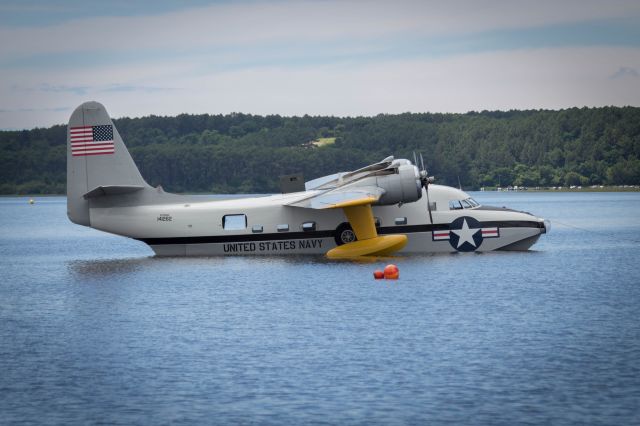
x: 360, y: 216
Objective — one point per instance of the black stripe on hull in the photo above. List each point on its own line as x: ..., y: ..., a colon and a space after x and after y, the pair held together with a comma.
x: 406, y: 229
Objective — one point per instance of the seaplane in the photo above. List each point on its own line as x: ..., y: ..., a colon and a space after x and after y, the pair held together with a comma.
x: 387, y: 208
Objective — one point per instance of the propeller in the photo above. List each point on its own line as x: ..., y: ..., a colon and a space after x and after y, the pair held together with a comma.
x: 425, y: 179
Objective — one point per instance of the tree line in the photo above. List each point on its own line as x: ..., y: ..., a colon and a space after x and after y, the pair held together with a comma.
x: 244, y: 153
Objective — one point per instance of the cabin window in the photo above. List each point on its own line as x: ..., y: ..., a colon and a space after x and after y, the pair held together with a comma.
x: 473, y: 202
x: 234, y: 222
x: 256, y: 229
x: 283, y: 227
x: 466, y: 204
x: 309, y: 226
x: 401, y: 220
x: 455, y: 205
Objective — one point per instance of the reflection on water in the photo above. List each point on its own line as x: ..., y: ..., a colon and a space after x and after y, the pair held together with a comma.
x: 94, y: 328
x: 91, y: 268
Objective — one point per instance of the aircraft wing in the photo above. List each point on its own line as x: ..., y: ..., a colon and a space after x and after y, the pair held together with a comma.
x: 341, y: 197
x: 343, y: 178
x: 354, y: 193
x: 371, y: 168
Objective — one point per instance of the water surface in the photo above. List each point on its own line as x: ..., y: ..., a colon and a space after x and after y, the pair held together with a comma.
x: 94, y: 329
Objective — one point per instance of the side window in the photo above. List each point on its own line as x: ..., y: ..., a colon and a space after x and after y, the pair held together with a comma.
x: 308, y: 226
x: 234, y: 222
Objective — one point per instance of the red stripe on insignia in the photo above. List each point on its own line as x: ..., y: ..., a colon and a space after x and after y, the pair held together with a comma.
x: 490, y: 232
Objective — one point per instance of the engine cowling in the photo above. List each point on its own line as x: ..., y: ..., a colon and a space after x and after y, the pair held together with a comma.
x: 401, y: 187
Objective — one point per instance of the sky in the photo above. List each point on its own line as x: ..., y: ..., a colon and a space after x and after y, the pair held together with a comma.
x: 317, y: 57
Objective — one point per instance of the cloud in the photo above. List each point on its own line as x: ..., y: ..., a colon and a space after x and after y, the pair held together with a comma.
x: 85, y: 90
x: 78, y: 90
x: 326, y: 57
x: 224, y: 25
x: 625, y: 72
x: 58, y: 109
x: 130, y: 88
x: 525, y: 79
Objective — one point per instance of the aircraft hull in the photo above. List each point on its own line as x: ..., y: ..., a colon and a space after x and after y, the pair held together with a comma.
x: 519, y: 238
x: 196, y: 228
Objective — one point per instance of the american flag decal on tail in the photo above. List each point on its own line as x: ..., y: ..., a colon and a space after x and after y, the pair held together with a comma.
x: 91, y: 140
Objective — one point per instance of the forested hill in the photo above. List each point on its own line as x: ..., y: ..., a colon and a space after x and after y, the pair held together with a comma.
x: 247, y: 153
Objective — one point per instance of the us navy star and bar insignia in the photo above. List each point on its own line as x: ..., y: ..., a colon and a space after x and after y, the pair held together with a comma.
x: 465, y: 234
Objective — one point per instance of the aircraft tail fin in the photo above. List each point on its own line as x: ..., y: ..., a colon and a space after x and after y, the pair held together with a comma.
x: 97, y: 158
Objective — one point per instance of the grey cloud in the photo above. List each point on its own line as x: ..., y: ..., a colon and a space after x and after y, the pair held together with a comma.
x: 311, y: 21
x: 131, y: 88
x: 57, y: 109
x: 77, y: 90
x: 625, y: 72
x: 83, y: 90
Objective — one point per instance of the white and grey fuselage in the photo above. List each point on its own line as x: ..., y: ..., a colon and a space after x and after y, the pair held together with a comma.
x: 175, y: 225
x: 106, y: 191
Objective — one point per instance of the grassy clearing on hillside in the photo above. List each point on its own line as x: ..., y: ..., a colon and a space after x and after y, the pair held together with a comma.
x: 323, y: 142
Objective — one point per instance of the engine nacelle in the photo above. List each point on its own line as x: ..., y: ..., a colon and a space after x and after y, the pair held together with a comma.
x: 402, y: 187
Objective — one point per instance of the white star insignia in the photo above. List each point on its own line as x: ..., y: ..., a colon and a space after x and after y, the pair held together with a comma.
x: 465, y: 234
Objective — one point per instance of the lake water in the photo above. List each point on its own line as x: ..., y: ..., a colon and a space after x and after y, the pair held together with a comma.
x: 94, y: 329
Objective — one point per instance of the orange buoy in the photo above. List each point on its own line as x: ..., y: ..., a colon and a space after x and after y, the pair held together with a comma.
x: 378, y: 274
x: 391, y: 272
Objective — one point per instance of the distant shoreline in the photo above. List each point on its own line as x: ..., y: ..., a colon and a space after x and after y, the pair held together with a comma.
x: 615, y: 188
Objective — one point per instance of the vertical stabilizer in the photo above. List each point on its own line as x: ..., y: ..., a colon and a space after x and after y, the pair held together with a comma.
x: 96, y: 156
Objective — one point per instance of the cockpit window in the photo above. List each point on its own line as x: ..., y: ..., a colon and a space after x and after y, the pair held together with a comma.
x: 455, y: 205
x: 467, y: 203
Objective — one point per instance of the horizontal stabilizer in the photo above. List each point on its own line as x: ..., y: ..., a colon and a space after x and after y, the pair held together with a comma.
x: 112, y: 190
